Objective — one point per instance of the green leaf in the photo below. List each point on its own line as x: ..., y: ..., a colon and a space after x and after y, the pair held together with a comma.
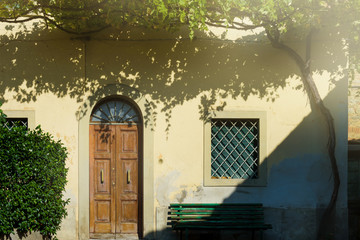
x: 34, y: 172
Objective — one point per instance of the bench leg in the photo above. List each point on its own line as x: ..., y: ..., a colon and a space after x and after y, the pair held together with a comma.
x: 252, y: 235
x: 187, y: 234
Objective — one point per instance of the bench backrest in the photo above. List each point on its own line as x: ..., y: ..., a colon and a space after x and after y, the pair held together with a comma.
x: 237, y: 214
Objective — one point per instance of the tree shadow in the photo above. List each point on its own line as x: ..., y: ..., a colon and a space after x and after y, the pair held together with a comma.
x: 299, y: 185
x: 170, y: 71
x: 353, y: 188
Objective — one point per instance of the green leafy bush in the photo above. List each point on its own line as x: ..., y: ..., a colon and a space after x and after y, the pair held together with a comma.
x: 2, y: 116
x: 32, y: 182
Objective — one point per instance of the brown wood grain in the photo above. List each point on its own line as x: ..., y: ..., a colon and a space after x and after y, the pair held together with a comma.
x: 102, y: 192
x: 114, y: 203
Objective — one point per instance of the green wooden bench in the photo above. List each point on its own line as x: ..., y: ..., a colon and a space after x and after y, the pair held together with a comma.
x: 209, y: 216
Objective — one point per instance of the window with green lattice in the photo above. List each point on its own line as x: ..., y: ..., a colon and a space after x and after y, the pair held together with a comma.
x: 234, y: 148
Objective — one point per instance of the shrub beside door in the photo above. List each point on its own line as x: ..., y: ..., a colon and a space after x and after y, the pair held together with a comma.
x: 32, y: 182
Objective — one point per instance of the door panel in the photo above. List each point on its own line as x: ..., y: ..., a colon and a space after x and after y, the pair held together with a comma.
x: 103, y: 209
x: 129, y: 183
x: 102, y: 194
x: 127, y: 166
x: 102, y: 178
x: 129, y: 143
x: 114, y: 179
x: 129, y: 139
x: 129, y: 211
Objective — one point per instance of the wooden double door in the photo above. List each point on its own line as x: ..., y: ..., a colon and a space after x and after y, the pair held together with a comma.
x: 114, y: 179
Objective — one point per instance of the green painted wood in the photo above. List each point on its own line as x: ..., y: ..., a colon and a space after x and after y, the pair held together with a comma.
x: 217, y: 208
x: 218, y: 213
x: 214, y: 226
x: 217, y: 216
x: 214, y: 204
x: 217, y: 219
x: 255, y: 227
x: 221, y: 222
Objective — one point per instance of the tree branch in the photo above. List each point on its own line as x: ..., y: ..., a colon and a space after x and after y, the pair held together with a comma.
x: 53, y: 22
x: 231, y: 26
x: 315, y: 98
x: 242, y: 26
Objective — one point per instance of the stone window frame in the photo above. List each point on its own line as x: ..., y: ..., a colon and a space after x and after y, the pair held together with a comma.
x: 261, y: 181
x: 29, y: 114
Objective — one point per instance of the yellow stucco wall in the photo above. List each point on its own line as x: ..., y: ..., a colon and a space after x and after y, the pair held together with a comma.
x: 61, y: 78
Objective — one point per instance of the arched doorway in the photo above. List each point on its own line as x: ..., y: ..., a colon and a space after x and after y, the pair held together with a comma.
x: 115, y: 169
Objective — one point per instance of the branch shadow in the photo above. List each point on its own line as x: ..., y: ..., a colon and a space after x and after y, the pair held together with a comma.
x: 168, y: 72
x: 171, y: 71
x: 299, y: 185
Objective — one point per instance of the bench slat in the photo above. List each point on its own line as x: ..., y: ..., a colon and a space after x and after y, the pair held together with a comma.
x: 215, y: 204
x: 192, y: 226
x: 218, y: 208
x: 217, y: 216
x: 221, y: 222
x: 217, y: 213
x: 196, y: 219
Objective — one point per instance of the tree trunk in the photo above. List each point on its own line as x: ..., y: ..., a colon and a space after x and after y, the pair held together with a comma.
x: 317, y: 102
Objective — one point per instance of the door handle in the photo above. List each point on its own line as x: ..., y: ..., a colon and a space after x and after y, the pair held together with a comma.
x: 128, y: 176
x: 102, y: 176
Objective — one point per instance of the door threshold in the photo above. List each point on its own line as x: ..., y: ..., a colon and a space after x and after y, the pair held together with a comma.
x: 118, y: 236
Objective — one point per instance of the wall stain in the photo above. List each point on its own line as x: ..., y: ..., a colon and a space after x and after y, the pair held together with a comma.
x: 181, y: 196
x: 199, y: 192
x: 71, y: 145
x: 165, y: 186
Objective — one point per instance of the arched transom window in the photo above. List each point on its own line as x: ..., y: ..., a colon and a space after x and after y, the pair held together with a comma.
x: 114, y: 111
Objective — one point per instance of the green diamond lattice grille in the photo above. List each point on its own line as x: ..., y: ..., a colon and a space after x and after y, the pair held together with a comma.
x: 11, y: 122
x: 235, y: 148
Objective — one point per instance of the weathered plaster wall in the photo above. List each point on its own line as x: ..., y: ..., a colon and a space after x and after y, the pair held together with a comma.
x: 31, y: 78
x: 182, y: 81
x: 354, y: 110
x: 354, y: 159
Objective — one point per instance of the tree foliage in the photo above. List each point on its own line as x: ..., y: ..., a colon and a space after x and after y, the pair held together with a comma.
x: 32, y: 182
x: 2, y: 116
x: 94, y: 15
x: 354, y: 36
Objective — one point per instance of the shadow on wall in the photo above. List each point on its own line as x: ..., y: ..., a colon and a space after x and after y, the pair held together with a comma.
x: 299, y: 184
x: 354, y: 188
x: 170, y: 72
